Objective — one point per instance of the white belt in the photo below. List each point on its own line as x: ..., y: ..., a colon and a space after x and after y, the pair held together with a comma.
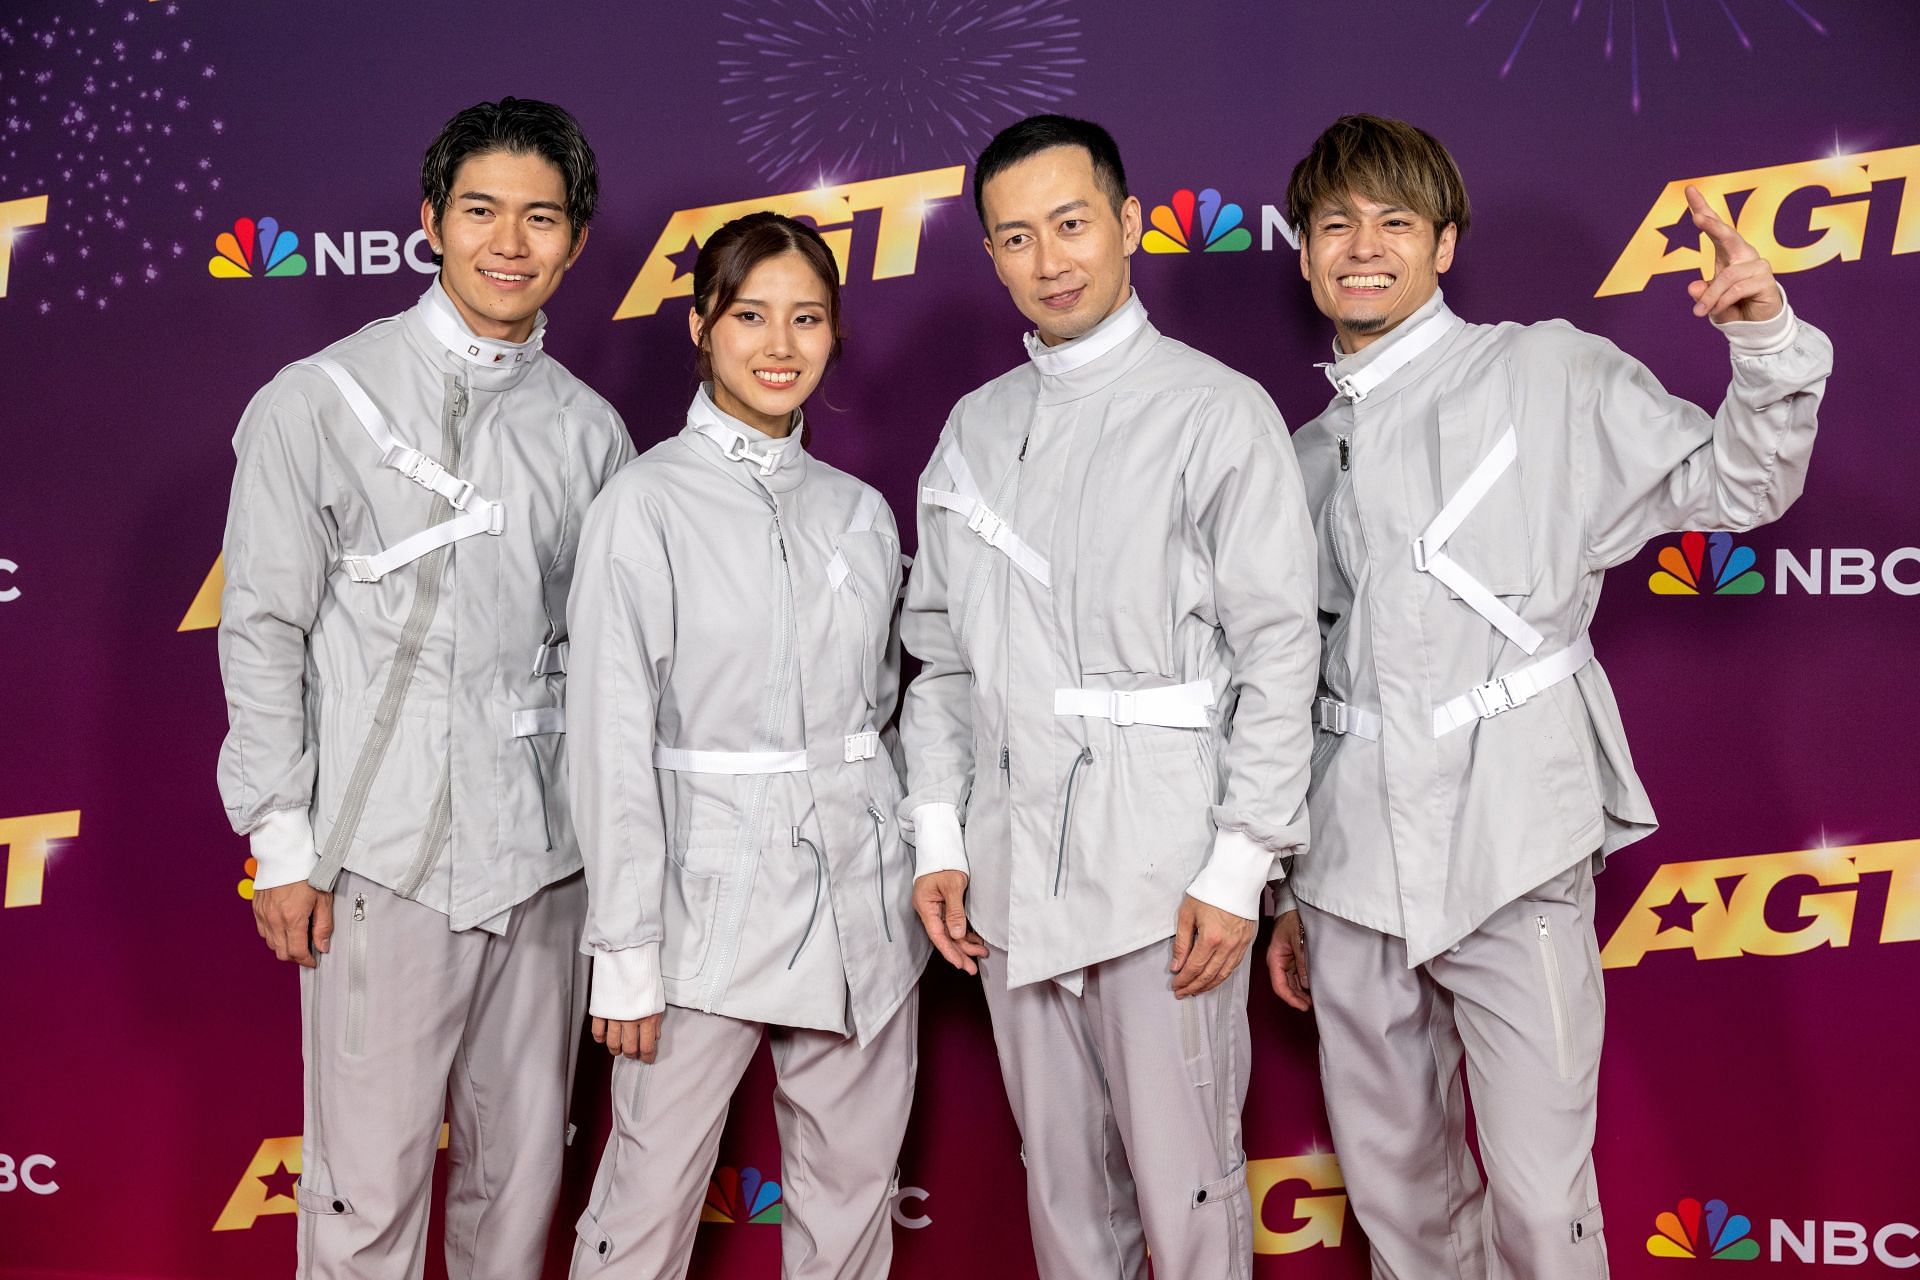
x: 1335, y: 716
x: 1429, y: 558
x: 1504, y: 693
x: 1179, y: 706
x: 981, y: 519
x: 864, y: 745
x: 535, y: 721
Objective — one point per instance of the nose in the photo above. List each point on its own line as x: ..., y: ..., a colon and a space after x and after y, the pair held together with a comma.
x: 509, y: 238
x: 1049, y: 260
x: 779, y: 340
x: 1365, y: 243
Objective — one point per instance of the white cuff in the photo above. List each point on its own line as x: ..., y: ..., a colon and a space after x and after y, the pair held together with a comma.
x: 1762, y: 337
x: 938, y: 844
x: 1236, y: 873
x: 1279, y: 899
x: 626, y: 984
x: 282, y: 848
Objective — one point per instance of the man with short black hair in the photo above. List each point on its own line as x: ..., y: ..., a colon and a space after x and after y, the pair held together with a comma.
x: 1107, y: 744
x: 398, y: 554
x: 1474, y: 483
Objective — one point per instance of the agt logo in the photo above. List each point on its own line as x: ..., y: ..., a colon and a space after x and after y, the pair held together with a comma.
x: 1834, y: 226
x: 902, y: 202
x: 1305, y: 1194
x: 263, y: 247
x: 15, y: 215
x: 33, y: 1174
x: 1712, y: 1231
x: 744, y: 1195
x: 29, y: 842
x: 268, y: 1185
x: 1712, y: 564
x: 1210, y: 223
x: 1770, y: 904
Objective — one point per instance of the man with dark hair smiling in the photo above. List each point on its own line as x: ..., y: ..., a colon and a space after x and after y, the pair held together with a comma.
x: 1474, y: 483
x: 1107, y: 745
x: 398, y: 554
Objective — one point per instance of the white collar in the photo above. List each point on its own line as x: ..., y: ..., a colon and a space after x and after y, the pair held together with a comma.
x: 443, y: 321
x: 739, y: 442
x: 1091, y: 345
x: 1396, y: 351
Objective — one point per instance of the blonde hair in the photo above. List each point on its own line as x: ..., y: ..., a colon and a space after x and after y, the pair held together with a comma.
x: 1389, y: 161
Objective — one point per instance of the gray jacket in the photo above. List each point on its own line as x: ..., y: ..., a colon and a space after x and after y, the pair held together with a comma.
x: 1424, y: 828
x: 388, y: 718
x: 735, y: 655
x: 1120, y: 516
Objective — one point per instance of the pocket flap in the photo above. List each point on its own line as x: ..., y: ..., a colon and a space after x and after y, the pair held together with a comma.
x: 588, y: 1229
x: 1588, y: 1224
x: 1221, y: 1189
x: 316, y: 1202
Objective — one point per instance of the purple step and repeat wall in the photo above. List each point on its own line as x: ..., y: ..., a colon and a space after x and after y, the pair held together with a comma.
x: 1760, y: 949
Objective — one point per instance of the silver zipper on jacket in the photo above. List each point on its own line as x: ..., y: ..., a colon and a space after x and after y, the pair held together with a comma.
x: 766, y: 738
x: 819, y: 878
x: 1330, y: 516
x: 1556, y: 998
x: 357, y: 977
x: 880, y: 861
x: 1066, y: 817
x: 426, y: 603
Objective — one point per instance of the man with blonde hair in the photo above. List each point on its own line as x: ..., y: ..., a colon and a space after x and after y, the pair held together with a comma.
x: 1472, y: 485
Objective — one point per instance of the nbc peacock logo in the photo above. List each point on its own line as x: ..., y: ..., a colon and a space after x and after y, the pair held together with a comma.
x: 1203, y: 223
x: 259, y: 248
x: 1706, y: 564
x: 741, y: 1195
x: 1693, y: 1230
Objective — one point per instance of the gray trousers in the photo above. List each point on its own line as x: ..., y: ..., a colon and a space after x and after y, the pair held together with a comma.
x: 403, y: 1016
x: 1128, y: 1103
x: 841, y: 1109
x: 1521, y: 1003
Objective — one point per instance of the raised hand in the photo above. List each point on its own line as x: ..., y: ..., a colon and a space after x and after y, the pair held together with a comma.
x: 1742, y: 287
x: 939, y: 899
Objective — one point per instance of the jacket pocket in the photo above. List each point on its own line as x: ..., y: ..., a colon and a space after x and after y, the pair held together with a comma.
x: 863, y: 605
x: 1556, y: 998
x: 697, y: 865
x: 1491, y: 544
x: 357, y: 976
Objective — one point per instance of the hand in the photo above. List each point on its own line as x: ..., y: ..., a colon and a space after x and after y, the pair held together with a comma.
x: 940, y: 900
x: 1207, y: 945
x: 634, y: 1037
x: 1742, y: 287
x: 1287, y: 962
x: 296, y: 920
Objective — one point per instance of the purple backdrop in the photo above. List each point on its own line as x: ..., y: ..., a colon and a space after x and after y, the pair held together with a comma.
x: 1762, y: 1042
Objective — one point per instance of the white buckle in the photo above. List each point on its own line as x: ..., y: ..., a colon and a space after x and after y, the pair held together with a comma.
x: 1330, y: 714
x: 461, y: 498
x: 496, y: 517
x: 985, y: 523
x: 1120, y: 706
x: 864, y: 745
x: 1349, y: 388
x: 1490, y: 699
x: 359, y: 569
x: 1420, y: 554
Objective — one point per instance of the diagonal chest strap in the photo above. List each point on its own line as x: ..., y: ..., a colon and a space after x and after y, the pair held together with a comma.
x: 1429, y: 555
x: 477, y: 515
x: 838, y: 570
x: 966, y: 500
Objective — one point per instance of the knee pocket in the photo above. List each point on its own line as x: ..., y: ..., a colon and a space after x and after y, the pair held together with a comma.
x: 1588, y: 1225
x: 596, y: 1240
x: 311, y: 1201
x: 1222, y: 1189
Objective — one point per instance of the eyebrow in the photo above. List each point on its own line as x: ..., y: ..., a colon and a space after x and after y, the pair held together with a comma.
x: 493, y: 199
x: 1068, y: 207
x: 1343, y: 211
x: 761, y: 302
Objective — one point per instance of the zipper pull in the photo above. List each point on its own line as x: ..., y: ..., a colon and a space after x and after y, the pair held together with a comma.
x: 873, y: 811
x: 795, y: 841
x: 459, y: 398
x: 360, y: 907
x: 1024, y: 442
x: 1006, y: 763
x: 1546, y: 933
x: 1345, y: 456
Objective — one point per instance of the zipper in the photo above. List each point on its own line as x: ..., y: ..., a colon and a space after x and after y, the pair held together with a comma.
x: 1066, y: 817
x: 1330, y: 516
x: 819, y: 875
x: 426, y: 603
x: 1556, y: 998
x: 1006, y: 765
x: 357, y: 977
x: 880, y: 861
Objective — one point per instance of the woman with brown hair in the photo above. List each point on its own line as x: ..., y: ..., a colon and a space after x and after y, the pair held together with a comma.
x: 733, y: 660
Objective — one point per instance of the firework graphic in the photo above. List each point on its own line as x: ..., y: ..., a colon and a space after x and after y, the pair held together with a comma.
x: 827, y: 90
x: 1630, y: 22
x: 102, y: 111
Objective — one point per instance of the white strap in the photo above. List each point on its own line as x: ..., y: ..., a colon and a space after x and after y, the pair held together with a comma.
x: 1179, y: 706
x: 535, y: 721
x: 481, y: 517
x: 1394, y: 357
x: 1334, y: 716
x: 1504, y: 693
x: 995, y: 532
x: 444, y: 324
x: 1083, y: 351
x: 550, y: 659
x: 736, y: 445
x: 729, y: 761
x: 1429, y: 558
x: 838, y: 570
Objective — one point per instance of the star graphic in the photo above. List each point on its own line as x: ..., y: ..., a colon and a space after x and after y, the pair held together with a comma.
x: 1677, y: 914
x: 683, y: 261
x: 280, y: 1182
x: 1682, y: 234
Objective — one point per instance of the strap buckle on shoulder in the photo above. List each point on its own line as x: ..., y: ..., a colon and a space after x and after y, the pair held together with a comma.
x: 864, y: 745
x: 984, y: 522
x: 359, y: 568
x: 1490, y: 699
x: 496, y: 517
x: 1120, y: 707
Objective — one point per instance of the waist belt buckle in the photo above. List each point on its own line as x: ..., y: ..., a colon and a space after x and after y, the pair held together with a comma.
x: 1120, y: 707
x: 1330, y: 714
x: 985, y: 523
x: 864, y: 745
x: 1490, y: 699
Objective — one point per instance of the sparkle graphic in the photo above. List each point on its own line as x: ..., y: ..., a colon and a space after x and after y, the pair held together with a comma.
x: 830, y: 90
x: 100, y: 112
x: 1624, y: 28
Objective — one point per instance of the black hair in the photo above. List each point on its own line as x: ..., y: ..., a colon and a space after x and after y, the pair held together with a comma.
x: 518, y: 126
x: 731, y: 253
x: 1035, y: 134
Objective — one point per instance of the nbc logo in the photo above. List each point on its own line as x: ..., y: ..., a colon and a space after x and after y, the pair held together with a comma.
x: 1217, y: 230
x: 1692, y: 1231
x: 256, y: 248
x: 245, y: 887
x: 741, y: 1195
x: 1731, y: 571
